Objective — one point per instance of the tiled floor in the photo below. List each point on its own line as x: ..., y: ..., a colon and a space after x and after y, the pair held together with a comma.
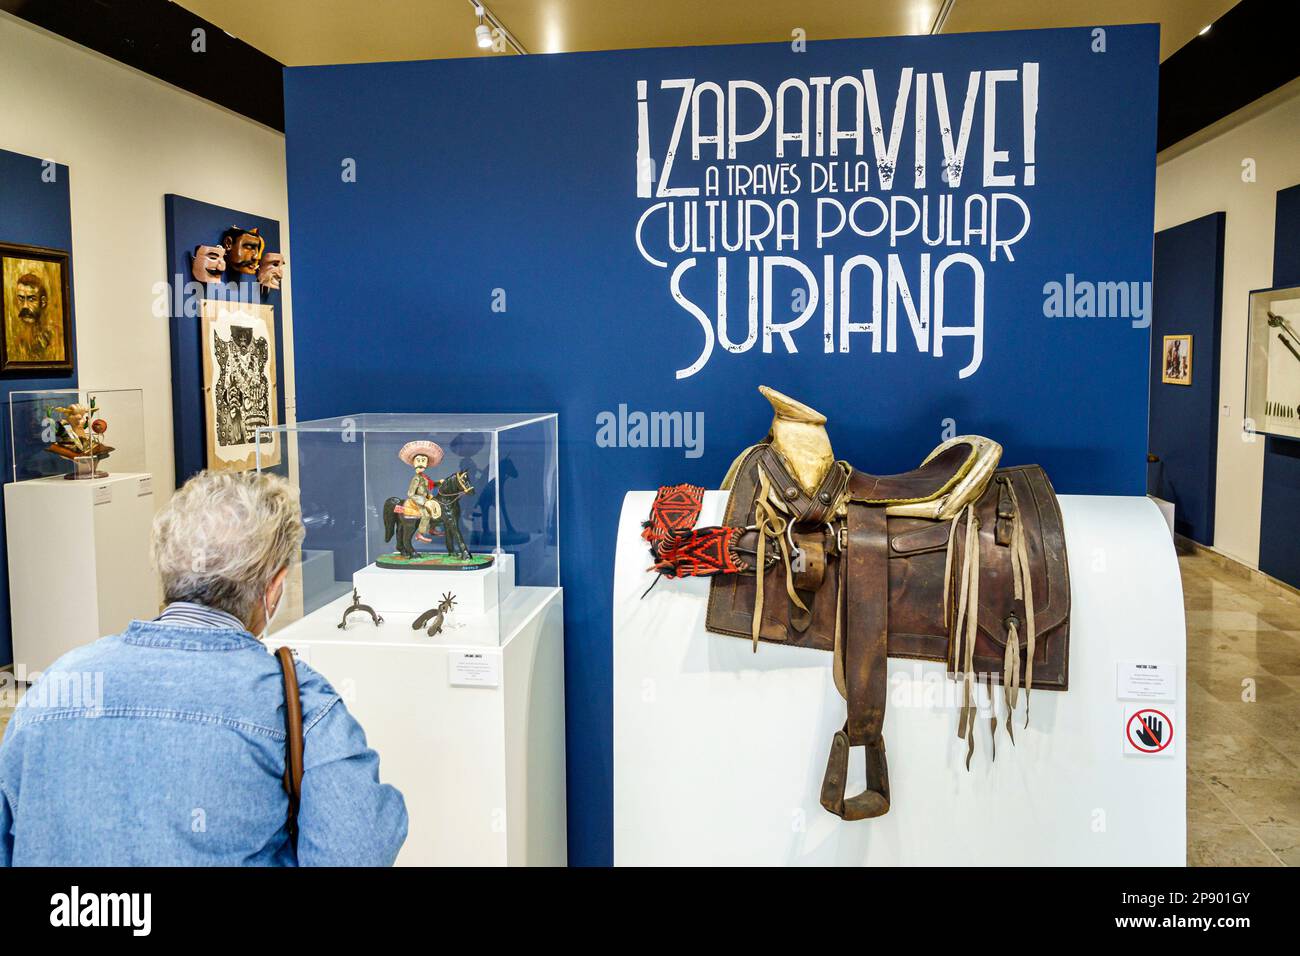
x: 1243, y: 711
x: 1243, y: 741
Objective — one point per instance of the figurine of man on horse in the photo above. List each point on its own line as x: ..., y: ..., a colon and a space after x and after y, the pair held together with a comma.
x: 430, y: 507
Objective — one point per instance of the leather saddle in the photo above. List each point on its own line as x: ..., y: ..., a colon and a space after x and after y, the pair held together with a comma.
x: 957, y: 561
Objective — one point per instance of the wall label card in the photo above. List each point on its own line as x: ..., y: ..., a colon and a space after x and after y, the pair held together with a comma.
x: 1148, y: 731
x: 1147, y: 680
x: 473, y: 669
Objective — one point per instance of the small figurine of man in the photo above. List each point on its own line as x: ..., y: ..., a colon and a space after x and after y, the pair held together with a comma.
x: 422, y: 491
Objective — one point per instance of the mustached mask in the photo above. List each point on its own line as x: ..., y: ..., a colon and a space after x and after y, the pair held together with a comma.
x: 209, y: 263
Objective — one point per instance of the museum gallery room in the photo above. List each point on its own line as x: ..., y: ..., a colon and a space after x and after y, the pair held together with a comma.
x: 567, y: 432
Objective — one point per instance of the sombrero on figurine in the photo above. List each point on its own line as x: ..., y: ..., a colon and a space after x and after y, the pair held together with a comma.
x: 412, y: 448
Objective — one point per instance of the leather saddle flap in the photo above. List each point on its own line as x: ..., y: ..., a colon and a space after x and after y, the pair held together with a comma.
x: 918, y: 625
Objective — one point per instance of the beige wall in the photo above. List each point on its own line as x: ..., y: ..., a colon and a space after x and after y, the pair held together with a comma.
x: 128, y: 139
x: 1208, y: 178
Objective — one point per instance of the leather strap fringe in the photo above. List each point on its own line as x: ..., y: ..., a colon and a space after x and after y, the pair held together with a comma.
x: 1024, y: 585
x: 966, y: 629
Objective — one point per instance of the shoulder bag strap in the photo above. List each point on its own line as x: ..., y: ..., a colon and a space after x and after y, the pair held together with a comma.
x: 293, y: 740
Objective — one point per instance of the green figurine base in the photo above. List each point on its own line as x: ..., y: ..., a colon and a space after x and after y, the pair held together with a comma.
x: 433, y: 561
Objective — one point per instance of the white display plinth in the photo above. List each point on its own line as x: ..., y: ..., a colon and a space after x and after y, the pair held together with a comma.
x: 719, y: 752
x: 1167, y: 511
x: 79, y: 565
x: 481, y: 767
x: 413, y: 591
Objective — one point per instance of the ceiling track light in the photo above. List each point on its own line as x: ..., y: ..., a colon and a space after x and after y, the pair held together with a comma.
x: 941, y: 17
x: 489, y: 28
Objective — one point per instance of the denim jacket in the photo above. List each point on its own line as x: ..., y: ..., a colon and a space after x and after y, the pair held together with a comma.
x: 165, y: 745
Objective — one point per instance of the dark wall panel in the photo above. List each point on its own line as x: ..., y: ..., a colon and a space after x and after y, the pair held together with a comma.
x: 1187, y: 299
x: 1279, y: 528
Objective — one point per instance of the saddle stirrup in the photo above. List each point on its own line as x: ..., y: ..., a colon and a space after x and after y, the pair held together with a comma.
x: 872, y: 801
x: 865, y: 646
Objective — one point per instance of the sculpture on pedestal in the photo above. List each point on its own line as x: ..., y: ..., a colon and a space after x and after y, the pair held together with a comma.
x: 431, y: 507
x: 78, y: 437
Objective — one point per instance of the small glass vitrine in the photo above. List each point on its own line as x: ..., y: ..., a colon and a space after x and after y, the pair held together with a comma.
x: 76, y: 433
x: 405, y: 512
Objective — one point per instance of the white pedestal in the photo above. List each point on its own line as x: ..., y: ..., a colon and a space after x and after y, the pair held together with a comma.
x: 79, y: 565
x: 481, y: 767
x: 413, y: 591
x: 719, y: 752
x: 1166, y: 510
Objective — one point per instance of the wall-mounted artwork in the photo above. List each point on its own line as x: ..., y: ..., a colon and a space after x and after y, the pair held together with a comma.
x: 37, y: 321
x: 240, y: 384
x: 270, y: 273
x: 244, y: 249
x: 208, y: 263
x: 1273, y: 362
x: 1176, y: 366
x: 230, y: 256
x: 242, y: 252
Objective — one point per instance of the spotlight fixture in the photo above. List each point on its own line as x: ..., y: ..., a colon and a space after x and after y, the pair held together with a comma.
x: 491, y: 33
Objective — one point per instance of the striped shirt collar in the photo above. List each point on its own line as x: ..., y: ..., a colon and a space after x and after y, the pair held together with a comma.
x: 190, y: 614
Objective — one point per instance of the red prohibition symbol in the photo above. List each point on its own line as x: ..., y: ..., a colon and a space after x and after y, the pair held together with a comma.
x: 1149, y: 730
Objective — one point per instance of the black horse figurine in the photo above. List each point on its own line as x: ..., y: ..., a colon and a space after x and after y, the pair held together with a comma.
x: 399, y: 522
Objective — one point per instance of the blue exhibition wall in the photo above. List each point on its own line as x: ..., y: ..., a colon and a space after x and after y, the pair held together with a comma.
x: 611, y: 235
x: 1187, y: 294
x: 35, y: 210
x: 1279, y: 527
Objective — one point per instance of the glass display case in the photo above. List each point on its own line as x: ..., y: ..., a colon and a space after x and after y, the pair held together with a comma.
x: 76, y: 433
x: 444, y: 526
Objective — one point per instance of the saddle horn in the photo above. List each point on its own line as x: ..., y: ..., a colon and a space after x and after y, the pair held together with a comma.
x: 799, y: 434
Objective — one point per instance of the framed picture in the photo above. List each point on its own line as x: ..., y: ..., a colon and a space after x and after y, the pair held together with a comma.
x: 37, y: 333
x: 1176, y: 365
x: 240, y: 384
x: 1273, y: 362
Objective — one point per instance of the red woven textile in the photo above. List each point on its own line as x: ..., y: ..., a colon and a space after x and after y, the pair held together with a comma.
x: 699, y: 553
x: 675, y: 510
x: 679, y: 548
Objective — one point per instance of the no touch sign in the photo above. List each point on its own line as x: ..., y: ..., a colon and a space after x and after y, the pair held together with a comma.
x: 1149, y: 731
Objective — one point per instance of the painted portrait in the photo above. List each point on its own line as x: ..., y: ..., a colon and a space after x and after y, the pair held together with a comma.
x: 37, y: 322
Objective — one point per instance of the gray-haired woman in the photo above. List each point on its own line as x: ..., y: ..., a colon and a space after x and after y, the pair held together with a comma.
x: 179, y: 756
